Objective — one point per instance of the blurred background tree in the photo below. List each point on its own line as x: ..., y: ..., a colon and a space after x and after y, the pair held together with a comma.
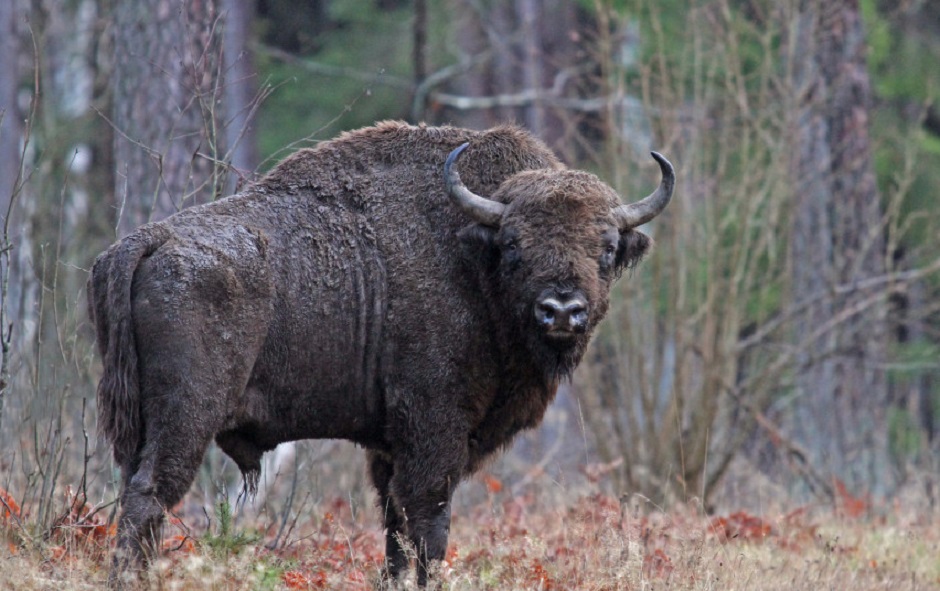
x: 783, y: 337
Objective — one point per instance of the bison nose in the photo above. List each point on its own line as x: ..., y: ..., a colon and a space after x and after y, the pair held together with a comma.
x: 562, y: 314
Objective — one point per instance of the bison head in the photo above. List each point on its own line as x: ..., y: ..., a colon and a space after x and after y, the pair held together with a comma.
x: 550, y: 244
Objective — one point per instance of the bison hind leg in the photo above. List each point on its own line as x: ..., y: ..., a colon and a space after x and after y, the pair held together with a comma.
x: 159, y: 475
x: 139, y: 529
x: 246, y: 454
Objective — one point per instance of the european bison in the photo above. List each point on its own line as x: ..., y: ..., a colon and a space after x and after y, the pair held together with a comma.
x: 359, y: 291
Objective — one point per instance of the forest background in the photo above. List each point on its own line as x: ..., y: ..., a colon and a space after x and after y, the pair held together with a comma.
x: 781, y: 346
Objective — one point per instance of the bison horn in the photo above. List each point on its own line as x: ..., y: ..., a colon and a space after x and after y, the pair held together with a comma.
x: 634, y: 214
x: 482, y: 210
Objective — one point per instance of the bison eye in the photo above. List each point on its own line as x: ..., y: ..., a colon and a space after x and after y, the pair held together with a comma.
x: 610, y: 253
x: 511, y: 252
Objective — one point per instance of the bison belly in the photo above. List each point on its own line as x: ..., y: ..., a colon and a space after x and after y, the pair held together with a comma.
x: 317, y: 375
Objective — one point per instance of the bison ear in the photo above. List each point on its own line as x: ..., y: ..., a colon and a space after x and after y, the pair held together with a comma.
x: 633, y: 247
x: 479, y: 245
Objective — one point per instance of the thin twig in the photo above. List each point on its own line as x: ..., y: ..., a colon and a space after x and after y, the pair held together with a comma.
x: 14, y: 515
x: 896, y: 281
x: 321, y: 69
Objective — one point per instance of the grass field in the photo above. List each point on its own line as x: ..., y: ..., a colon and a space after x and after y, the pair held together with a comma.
x: 509, y: 542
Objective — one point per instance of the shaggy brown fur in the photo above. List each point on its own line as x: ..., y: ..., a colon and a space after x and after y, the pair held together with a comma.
x: 346, y: 296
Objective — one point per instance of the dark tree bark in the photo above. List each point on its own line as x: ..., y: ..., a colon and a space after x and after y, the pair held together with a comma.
x: 167, y: 86
x: 420, y: 41
x: 836, y: 240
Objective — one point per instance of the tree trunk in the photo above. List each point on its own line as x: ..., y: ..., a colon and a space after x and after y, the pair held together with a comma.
x: 532, y: 48
x: 167, y: 86
x: 10, y: 119
x: 419, y: 41
x: 241, y: 87
x: 471, y: 41
x: 529, y: 14
x: 10, y: 135
x: 836, y: 240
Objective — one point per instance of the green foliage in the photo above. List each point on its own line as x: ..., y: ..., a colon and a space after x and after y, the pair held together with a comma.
x: 293, y: 26
x: 879, y: 34
x: 911, y: 357
x: 903, y: 432
x: 903, y: 65
x: 267, y: 574
x: 227, y: 541
x: 903, y: 53
x: 931, y: 145
x: 659, y: 16
x: 896, y: 140
x: 909, y: 362
x: 360, y: 74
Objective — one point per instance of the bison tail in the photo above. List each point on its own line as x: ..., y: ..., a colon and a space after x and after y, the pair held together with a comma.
x: 109, y: 306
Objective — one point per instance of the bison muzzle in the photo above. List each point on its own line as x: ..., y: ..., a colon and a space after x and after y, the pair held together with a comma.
x: 353, y: 293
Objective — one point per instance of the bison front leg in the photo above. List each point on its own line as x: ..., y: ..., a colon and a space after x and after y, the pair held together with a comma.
x: 429, y: 532
x: 396, y: 559
x: 423, y: 485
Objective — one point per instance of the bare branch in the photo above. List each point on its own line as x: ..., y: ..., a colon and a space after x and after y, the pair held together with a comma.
x: 519, y: 99
x: 322, y: 69
x: 894, y: 281
x: 443, y: 75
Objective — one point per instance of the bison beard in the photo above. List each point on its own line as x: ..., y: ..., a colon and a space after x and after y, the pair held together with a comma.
x: 353, y: 293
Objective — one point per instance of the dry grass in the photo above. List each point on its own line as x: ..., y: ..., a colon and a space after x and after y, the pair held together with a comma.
x: 594, y: 543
